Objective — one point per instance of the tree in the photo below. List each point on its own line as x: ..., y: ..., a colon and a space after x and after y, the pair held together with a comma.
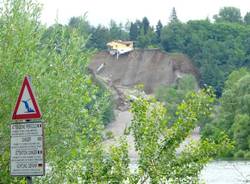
x: 158, y: 31
x: 81, y: 24
x: 114, y: 30
x: 145, y: 25
x: 241, y: 131
x: 143, y: 35
x: 99, y: 38
x: 173, y: 16
x: 173, y: 95
x: 134, y: 31
x: 247, y: 18
x: 146, y: 40
x: 229, y: 14
x: 232, y: 115
x: 172, y: 37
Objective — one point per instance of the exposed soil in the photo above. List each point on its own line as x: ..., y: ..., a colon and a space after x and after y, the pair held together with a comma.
x: 151, y: 67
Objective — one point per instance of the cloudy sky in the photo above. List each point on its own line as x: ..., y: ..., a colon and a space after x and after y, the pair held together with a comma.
x: 102, y: 11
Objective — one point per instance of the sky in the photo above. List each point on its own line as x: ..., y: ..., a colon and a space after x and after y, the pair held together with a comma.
x: 102, y: 11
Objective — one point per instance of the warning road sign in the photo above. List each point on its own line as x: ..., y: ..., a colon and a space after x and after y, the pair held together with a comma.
x: 26, y: 106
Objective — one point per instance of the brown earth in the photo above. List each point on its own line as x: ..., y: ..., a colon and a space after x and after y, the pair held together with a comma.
x: 151, y: 67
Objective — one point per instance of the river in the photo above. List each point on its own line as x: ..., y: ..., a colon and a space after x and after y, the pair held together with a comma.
x: 226, y: 172
x: 223, y: 172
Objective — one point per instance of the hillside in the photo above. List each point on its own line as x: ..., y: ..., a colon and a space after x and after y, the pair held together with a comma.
x: 151, y: 67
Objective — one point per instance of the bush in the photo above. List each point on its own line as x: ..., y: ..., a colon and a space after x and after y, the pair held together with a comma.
x: 239, y: 154
x: 247, y: 155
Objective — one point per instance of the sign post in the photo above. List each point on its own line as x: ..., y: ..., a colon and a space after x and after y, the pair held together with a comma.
x: 27, y: 136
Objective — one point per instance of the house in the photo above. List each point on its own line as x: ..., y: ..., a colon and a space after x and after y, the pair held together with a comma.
x: 118, y: 47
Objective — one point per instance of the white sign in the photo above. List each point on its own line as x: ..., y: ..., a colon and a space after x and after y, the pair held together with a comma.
x: 27, y: 153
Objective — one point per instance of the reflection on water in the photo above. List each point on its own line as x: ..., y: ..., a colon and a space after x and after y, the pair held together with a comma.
x: 226, y: 172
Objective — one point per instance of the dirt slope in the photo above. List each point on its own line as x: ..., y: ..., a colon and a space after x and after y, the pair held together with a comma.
x: 151, y: 67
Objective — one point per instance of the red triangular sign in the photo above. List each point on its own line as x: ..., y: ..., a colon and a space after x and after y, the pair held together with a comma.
x: 26, y: 106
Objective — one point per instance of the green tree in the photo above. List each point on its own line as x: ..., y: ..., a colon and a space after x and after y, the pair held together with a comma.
x: 135, y: 30
x: 233, y: 113
x: 173, y: 95
x: 229, y: 14
x: 146, y: 37
x: 116, y: 31
x: 247, y: 18
x: 145, y: 25
x: 158, y: 31
x: 146, y: 40
x: 81, y: 24
x: 99, y: 38
x: 241, y: 131
x: 173, y: 16
x: 172, y: 37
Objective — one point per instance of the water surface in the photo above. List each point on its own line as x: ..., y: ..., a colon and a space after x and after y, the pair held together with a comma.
x: 226, y: 172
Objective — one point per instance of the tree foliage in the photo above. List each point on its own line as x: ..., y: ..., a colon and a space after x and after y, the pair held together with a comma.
x: 215, y: 48
x: 247, y: 18
x: 174, y: 94
x: 233, y: 112
x: 229, y: 14
x: 158, y: 31
x: 173, y: 16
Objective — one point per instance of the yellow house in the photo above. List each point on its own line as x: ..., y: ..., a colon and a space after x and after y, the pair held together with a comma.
x: 119, y: 47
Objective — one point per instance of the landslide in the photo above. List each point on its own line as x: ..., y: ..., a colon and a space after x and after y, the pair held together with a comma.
x: 151, y: 67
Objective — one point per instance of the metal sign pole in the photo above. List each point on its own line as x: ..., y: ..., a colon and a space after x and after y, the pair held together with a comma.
x: 29, y: 179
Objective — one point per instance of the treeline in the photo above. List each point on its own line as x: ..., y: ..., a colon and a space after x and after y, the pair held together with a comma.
x: 216, y: 47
